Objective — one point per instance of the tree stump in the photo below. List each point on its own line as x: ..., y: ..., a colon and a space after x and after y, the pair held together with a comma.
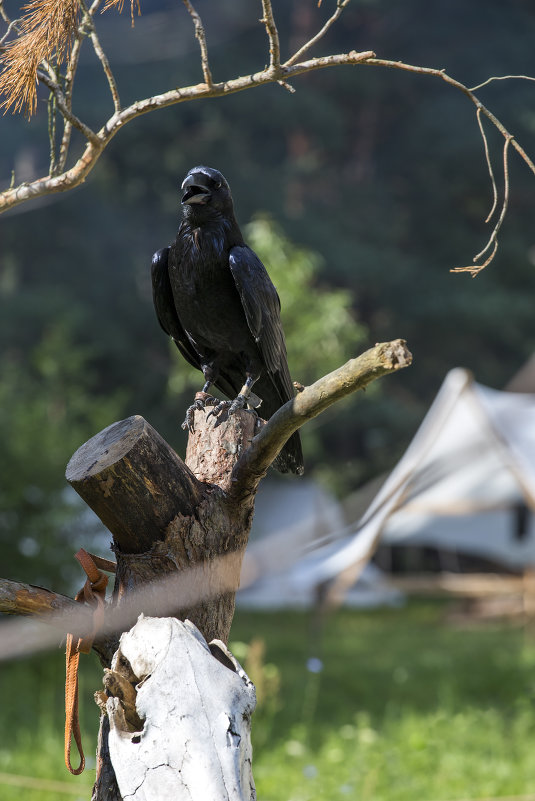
x: 165, y: 519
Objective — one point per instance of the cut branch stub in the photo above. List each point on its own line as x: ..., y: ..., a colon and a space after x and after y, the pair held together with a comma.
x: 133, y: 481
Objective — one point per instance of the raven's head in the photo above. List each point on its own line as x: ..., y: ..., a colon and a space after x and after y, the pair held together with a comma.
x: 206, y: 187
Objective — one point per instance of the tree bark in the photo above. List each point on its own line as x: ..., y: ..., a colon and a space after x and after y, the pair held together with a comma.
x: 163, y: 518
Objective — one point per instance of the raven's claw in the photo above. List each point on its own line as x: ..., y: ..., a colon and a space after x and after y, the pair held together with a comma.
x: 202, y: 400
x: 230, y: 407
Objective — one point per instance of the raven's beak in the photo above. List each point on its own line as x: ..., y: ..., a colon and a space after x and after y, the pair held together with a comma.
x: 195, y: 192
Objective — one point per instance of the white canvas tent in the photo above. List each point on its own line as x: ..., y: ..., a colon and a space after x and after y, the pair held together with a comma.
x: 293, y: 521
x: 463, y: 484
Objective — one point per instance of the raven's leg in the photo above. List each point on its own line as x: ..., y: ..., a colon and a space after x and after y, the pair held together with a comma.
x: 244, y: 398
x: 199, y: 404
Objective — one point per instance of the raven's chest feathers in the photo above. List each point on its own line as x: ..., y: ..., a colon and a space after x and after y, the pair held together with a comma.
x: 205, y: 295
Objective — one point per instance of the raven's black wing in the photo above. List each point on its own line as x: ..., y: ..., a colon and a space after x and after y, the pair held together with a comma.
x: 162, y: 296
x: 261, y: 305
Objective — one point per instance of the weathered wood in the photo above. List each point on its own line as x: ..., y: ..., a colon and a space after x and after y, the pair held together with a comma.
x: 215, y: 446
x: 163, y: 518
x: 134, y: 481
x: 194, y: 743
x: 17, y: 598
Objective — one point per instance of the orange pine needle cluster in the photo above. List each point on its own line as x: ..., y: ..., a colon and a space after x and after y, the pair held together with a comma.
x: 119, y: 4
x: 45, y: 32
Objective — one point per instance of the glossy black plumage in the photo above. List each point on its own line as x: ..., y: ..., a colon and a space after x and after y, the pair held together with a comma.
x: 213, y: 296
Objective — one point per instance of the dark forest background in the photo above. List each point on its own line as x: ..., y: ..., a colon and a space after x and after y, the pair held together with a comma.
x: 371, y: 184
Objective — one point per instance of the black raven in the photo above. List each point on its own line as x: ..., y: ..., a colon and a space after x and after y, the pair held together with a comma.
x: 213, y: 296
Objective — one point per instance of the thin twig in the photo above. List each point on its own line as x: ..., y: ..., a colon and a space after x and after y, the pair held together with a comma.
x: 400, y: 65
x: 273, y: 35
x: 288, y: 86
x: 489, y: 165
x: 340, y: 5
x: 501, y: 78
x: 52, y: 108
x: 474, y: 269
x: 84, y: 129
x: 68, y: 83
x: 101, y: 55
x: 13, y: 25
x: 505, y: 200
x: 4, y: 15
x: 200, y: 35
x: 72, y: 66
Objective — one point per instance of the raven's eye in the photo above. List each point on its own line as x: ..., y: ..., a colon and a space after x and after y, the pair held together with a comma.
x: 218, y: 185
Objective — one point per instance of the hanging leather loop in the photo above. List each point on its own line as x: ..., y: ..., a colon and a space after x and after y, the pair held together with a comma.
x: 93, y: 593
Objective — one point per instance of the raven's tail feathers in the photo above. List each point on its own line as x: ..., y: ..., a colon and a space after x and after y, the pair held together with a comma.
x: 290, y: 459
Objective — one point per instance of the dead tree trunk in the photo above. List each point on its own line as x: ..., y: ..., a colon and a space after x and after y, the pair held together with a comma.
x: 163, y: 518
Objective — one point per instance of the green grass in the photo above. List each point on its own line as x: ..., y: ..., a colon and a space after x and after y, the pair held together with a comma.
x: 407, y: 708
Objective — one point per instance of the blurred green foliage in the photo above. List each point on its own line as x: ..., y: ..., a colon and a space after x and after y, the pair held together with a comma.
x: 408, y: 706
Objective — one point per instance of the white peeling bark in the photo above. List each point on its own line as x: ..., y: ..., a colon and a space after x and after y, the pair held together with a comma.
x: 195, y: 703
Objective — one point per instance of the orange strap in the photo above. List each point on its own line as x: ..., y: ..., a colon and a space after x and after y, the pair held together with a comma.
x: 93, y: 593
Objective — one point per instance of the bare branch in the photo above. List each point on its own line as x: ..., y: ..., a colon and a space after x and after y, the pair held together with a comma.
x: 273, y: 35
x: 200, y: 35
x: 340, y: 5
x: 400, y: 65
x: 3, y: 13
x: 52, y: 108
x: 474, y: 269
x: 78, y: 172
x: 11, y: 26
x: 509, y: 139
x: 356, y: 374
x: 67, y: 124
x: 70, y: 74
x: 27, y: 599
x: 489, y: 165
x: 501, y: 78
x: 90, y: 25
x: 280, y: 73
x: 84, y: 129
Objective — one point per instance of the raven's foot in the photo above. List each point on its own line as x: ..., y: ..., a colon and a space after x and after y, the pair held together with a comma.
x: 239, y: 402
x: 202, y: 400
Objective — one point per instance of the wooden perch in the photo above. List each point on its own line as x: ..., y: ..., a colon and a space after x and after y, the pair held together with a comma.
x: 356, y: 374
x: 162, y: 517
x: 167, y: 516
